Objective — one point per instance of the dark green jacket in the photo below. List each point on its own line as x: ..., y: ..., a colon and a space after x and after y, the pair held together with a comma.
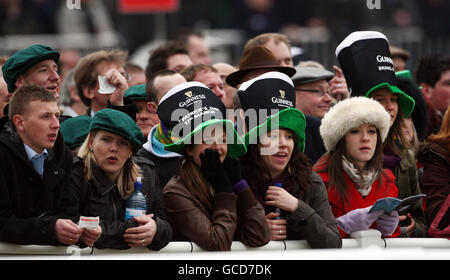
x: 407, y: 182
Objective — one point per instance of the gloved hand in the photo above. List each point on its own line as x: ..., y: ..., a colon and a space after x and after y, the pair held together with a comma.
x: 387, y: 223
x: 233, y: 168
x: 358, y: 219
x: 213, y: 170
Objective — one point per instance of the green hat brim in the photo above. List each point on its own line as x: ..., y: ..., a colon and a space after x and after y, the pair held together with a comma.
x: 235, y: 149
x: 404, y: 74
x: 136, y: 92
x: 290, y: 118
x: 405, y: 102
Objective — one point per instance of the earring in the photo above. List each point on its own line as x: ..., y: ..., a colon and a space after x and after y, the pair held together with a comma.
x: 90, y: 150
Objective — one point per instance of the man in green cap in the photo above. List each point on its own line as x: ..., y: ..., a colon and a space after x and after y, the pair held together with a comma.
x: 144, y: 118
x: 36, y: 64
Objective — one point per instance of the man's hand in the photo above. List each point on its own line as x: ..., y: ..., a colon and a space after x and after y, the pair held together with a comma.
x: 115, y: 78
x: 67, y: 232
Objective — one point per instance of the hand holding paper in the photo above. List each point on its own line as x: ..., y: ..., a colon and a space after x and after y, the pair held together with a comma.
x: 104, y: 86
x: 92, y: 231
x: 387, y: 223
x: 358, y: 219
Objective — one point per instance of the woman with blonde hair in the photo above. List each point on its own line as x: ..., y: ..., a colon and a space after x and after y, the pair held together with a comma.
x: 103, y: 178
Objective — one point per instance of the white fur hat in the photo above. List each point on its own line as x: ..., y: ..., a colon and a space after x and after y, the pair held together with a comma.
x: 351, y: 113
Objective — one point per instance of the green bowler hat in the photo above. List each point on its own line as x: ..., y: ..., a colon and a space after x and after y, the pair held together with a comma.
x: 23, y: 60
x: 120, y: 124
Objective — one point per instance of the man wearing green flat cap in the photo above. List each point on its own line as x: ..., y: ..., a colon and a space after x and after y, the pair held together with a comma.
x: 36, y: 64
x: 144, y: 118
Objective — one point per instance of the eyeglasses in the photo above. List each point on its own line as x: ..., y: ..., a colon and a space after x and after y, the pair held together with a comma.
x: 317, y: 92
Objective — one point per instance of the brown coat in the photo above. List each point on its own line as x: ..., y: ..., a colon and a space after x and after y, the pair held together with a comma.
x: 234, y: 217
x: 435, y: 159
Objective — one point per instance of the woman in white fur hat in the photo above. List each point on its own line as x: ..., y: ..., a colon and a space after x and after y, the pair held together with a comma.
x: 369, y: 71
x: 353, y: 132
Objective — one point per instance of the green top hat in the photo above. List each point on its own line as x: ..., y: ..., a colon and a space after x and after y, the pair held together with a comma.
x: 120, y: 124
x: 136, y: 92
x: 23, y: 60
x: 200, y: 108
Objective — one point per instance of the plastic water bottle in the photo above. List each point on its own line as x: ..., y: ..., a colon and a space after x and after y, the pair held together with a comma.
x: 136, y: 204
x: 276, y: 209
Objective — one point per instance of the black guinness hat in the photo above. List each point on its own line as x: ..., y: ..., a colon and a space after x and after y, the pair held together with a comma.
x: 190, y: 108
x: 367, y: 64
x: 273, y: 92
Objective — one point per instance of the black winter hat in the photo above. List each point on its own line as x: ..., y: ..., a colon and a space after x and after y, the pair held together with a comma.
x: 367, y: 65
x: 188, y: 109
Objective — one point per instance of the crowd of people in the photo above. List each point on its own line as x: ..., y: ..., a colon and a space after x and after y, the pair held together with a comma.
x: 260, y: 151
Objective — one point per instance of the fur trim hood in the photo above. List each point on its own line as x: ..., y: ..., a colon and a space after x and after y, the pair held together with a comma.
x: 350, y: 113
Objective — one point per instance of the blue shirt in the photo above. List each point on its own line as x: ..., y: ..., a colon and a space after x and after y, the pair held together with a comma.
x: 36, y: 159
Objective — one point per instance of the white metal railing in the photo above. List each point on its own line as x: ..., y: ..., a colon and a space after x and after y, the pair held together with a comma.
x: 358, y: 240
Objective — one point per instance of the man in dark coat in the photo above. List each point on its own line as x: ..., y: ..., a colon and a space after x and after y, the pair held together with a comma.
x: 35, y: 171
x: 167, y: 163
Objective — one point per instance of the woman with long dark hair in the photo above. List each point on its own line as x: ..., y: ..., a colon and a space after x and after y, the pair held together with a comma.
x: 279, y: 173
x: 369, y: 71
x: 353, y: 132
